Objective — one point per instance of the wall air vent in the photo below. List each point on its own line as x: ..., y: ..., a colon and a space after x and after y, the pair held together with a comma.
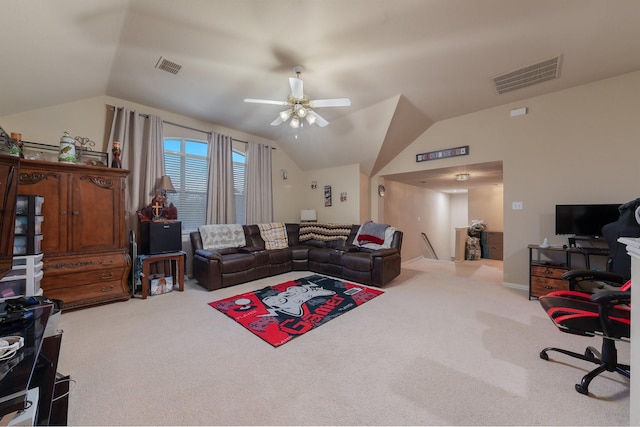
x: 168, y: 66
x: 528, y: 76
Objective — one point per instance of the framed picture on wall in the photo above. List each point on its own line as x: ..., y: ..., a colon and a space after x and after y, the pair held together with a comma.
x: 327, y: 195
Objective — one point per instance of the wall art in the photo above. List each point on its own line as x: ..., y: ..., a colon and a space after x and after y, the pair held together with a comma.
x: 327, y: 195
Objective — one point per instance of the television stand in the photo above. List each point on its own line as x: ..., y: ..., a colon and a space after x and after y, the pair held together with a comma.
x: 572, y: 240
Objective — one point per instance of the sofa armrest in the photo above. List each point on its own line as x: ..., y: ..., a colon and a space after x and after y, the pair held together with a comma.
x: 250, y: 249
x: 347, y: 248
x: 379, y: 252
x: 209, y: 254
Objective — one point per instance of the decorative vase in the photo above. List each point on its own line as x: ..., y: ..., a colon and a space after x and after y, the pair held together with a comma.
x: 67, y: 153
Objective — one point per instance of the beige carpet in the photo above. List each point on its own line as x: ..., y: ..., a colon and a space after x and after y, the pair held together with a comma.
x: 446, y: 344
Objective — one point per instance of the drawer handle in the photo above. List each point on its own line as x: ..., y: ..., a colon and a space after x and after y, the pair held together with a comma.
x: 107, y: 276
x: 106, y: 262
x: 106, y: 288
x: 548, y: 287
x: 547, y: 271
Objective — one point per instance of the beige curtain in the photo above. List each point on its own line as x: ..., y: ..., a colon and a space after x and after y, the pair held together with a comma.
x: 221, y: 201
x: 142, y: 143
x: 259, y: 186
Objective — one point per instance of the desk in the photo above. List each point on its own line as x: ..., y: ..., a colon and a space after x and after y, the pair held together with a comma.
x: 145, y: 262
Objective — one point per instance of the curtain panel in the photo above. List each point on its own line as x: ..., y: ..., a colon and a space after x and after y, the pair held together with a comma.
x: 220, y: 198
x: 141, y: 140
x: 259, y: 184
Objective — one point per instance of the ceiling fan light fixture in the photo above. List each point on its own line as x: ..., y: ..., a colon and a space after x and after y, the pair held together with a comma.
x: 462, y: 177
x: 295, y: 123
x: 302, y: 111
x: 284, y: 115
x: 310, y: 119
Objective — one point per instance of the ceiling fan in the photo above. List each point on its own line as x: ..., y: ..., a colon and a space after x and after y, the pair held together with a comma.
x: 299, y: 107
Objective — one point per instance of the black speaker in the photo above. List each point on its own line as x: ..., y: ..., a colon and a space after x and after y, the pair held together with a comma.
x: 157, y: 237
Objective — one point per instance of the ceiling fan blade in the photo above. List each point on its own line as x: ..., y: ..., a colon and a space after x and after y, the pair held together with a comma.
x: 277, y: 121
x: 336, y: 102
x: 265, y: 101
x: 296, y: 87
x: 318, y: 119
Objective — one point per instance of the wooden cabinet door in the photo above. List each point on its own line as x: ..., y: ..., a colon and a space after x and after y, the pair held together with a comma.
x: 8, y: 196
x: 97, y: 213
x: 54, y: 186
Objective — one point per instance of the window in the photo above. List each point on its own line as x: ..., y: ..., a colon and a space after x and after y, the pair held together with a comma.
x: 239, y: 186
x: 186, y: 162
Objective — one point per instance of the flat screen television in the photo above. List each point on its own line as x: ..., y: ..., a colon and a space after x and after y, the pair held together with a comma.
x: 585, y: 220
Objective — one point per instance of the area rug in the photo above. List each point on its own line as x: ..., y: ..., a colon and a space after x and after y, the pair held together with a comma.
x: 280, y: 313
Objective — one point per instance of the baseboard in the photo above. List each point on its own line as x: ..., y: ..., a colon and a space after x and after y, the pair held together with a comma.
x: 517, y: 286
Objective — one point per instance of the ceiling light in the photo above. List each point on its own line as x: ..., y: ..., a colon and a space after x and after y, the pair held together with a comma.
x: 311, y: 119
x: 301, y: 111
x: 284, y: 115
x: 295, y: 122
x: 462, y: 177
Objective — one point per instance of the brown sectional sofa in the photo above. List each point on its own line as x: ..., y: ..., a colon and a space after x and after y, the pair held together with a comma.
x: 215, y: 269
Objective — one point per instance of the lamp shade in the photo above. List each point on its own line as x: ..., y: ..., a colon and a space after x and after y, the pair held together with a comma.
x: 165, y: 185
x: 308, y: 215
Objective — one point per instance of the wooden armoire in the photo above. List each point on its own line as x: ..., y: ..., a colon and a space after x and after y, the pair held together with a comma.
x: 8, y: 185
x: 86, y: 258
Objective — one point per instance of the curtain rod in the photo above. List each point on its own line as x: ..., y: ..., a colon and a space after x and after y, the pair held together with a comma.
x: 208, y: 132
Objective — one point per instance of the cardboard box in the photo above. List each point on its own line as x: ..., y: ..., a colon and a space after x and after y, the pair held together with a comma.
x: 161, y: 285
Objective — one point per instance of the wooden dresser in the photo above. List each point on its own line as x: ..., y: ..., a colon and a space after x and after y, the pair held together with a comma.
x: 8, y: 185
x: 86, y: 259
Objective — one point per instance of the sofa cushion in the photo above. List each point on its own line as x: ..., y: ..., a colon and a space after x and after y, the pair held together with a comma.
x: 274, y: 235
x: 219, y: 236
x: 234, y: 263
x: 357, y: 261
x: 279, y: 256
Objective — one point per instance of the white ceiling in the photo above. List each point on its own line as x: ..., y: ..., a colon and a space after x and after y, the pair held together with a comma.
x: 404, y: 63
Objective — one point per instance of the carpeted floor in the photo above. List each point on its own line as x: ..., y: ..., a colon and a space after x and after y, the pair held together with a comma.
x: 446, y: 344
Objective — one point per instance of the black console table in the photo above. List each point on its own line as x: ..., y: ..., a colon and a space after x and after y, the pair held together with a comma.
x: 33, y: 367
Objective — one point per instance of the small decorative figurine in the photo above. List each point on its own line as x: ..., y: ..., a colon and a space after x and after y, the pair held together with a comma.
x: 117, y: 151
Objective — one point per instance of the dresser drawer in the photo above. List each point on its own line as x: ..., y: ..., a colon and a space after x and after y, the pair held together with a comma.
x: 542, y: 285
x: 58, y: 281
x: 550, y: 272
x: 80, y: 263
x: 89, y: 294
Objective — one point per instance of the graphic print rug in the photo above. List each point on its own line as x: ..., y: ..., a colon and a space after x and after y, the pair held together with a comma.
x: 282, y: 312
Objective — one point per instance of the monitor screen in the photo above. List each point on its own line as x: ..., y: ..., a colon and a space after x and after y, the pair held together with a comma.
x: 585, y: 220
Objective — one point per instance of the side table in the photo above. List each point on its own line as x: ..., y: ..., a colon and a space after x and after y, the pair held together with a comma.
x: 144, y: 270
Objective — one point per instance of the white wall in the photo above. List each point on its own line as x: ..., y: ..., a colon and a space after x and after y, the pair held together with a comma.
x: 486, y: 204
x: 459, y: 214
x: 580, y: 145
x: 416, y: 210
x: 341, y: 179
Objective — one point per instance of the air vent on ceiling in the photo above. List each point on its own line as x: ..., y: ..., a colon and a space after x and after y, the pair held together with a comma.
x: 528, y: 76
x: 168, y: 66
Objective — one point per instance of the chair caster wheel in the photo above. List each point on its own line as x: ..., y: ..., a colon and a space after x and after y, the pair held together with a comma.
x: 589, y: 353
x: 582, y: 390
x: 544, y: 355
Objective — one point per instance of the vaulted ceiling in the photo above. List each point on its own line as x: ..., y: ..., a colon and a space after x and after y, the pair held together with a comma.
x: 405, y: 64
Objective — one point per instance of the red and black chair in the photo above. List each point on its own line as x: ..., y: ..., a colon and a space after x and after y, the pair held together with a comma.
x: 605, y: 313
